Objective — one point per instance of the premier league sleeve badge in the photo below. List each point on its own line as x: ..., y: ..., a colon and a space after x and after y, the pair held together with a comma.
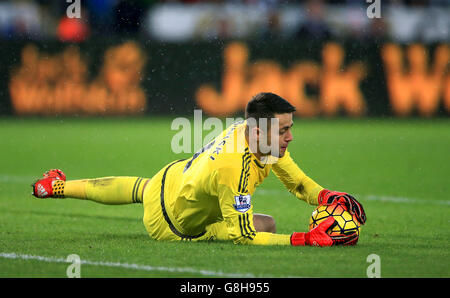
x: 243, y: 203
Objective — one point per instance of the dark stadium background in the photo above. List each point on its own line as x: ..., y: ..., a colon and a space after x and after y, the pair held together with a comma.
x: 182, y: 44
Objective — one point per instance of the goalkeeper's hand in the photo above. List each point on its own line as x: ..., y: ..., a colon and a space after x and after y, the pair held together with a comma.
x: 319, y: 237
x: 328, y: 197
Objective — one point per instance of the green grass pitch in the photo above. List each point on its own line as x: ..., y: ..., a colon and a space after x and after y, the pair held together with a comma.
x: 398, y: 169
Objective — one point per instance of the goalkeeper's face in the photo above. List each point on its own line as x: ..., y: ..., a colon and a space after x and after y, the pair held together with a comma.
x: 272, y: 136
x: 282, y: 132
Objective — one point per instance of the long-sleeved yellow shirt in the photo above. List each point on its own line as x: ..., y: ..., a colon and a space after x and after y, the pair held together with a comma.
x: 218, y: 182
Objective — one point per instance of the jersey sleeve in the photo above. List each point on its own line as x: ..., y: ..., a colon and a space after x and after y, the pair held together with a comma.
x: 237, y: 210
x: 295, y: 180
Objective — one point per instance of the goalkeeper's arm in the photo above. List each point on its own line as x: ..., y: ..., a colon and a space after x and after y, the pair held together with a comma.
x: 241, y: 228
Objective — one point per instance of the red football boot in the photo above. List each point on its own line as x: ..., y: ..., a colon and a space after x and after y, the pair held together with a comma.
x: 51, y: 186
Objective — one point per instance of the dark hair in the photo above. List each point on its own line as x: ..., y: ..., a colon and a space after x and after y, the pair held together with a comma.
x: 266, y: 105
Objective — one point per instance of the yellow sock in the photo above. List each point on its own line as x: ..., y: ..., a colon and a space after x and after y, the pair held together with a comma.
x: 75, y: 189
x: 107, y: 190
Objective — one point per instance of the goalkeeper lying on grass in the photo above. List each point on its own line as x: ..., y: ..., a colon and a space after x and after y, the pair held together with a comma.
x: 209, y: 196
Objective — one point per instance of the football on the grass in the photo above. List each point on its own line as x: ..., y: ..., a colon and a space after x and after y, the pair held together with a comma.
x: 346, y: 222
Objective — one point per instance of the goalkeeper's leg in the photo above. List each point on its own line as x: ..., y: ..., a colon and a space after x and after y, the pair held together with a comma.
x: 107, y: 190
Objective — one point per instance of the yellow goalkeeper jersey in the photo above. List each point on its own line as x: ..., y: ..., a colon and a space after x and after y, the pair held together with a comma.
x: 217, y: 184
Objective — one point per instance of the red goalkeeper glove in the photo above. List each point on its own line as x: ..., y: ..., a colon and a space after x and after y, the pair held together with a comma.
x: 319, y: 237
x: 328, y: 197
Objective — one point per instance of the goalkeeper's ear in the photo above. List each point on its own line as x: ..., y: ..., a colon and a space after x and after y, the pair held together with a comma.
x: 252, y: 129
x: 253, y: 132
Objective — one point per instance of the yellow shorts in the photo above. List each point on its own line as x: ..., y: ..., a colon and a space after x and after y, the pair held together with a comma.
x: 159, y: 220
